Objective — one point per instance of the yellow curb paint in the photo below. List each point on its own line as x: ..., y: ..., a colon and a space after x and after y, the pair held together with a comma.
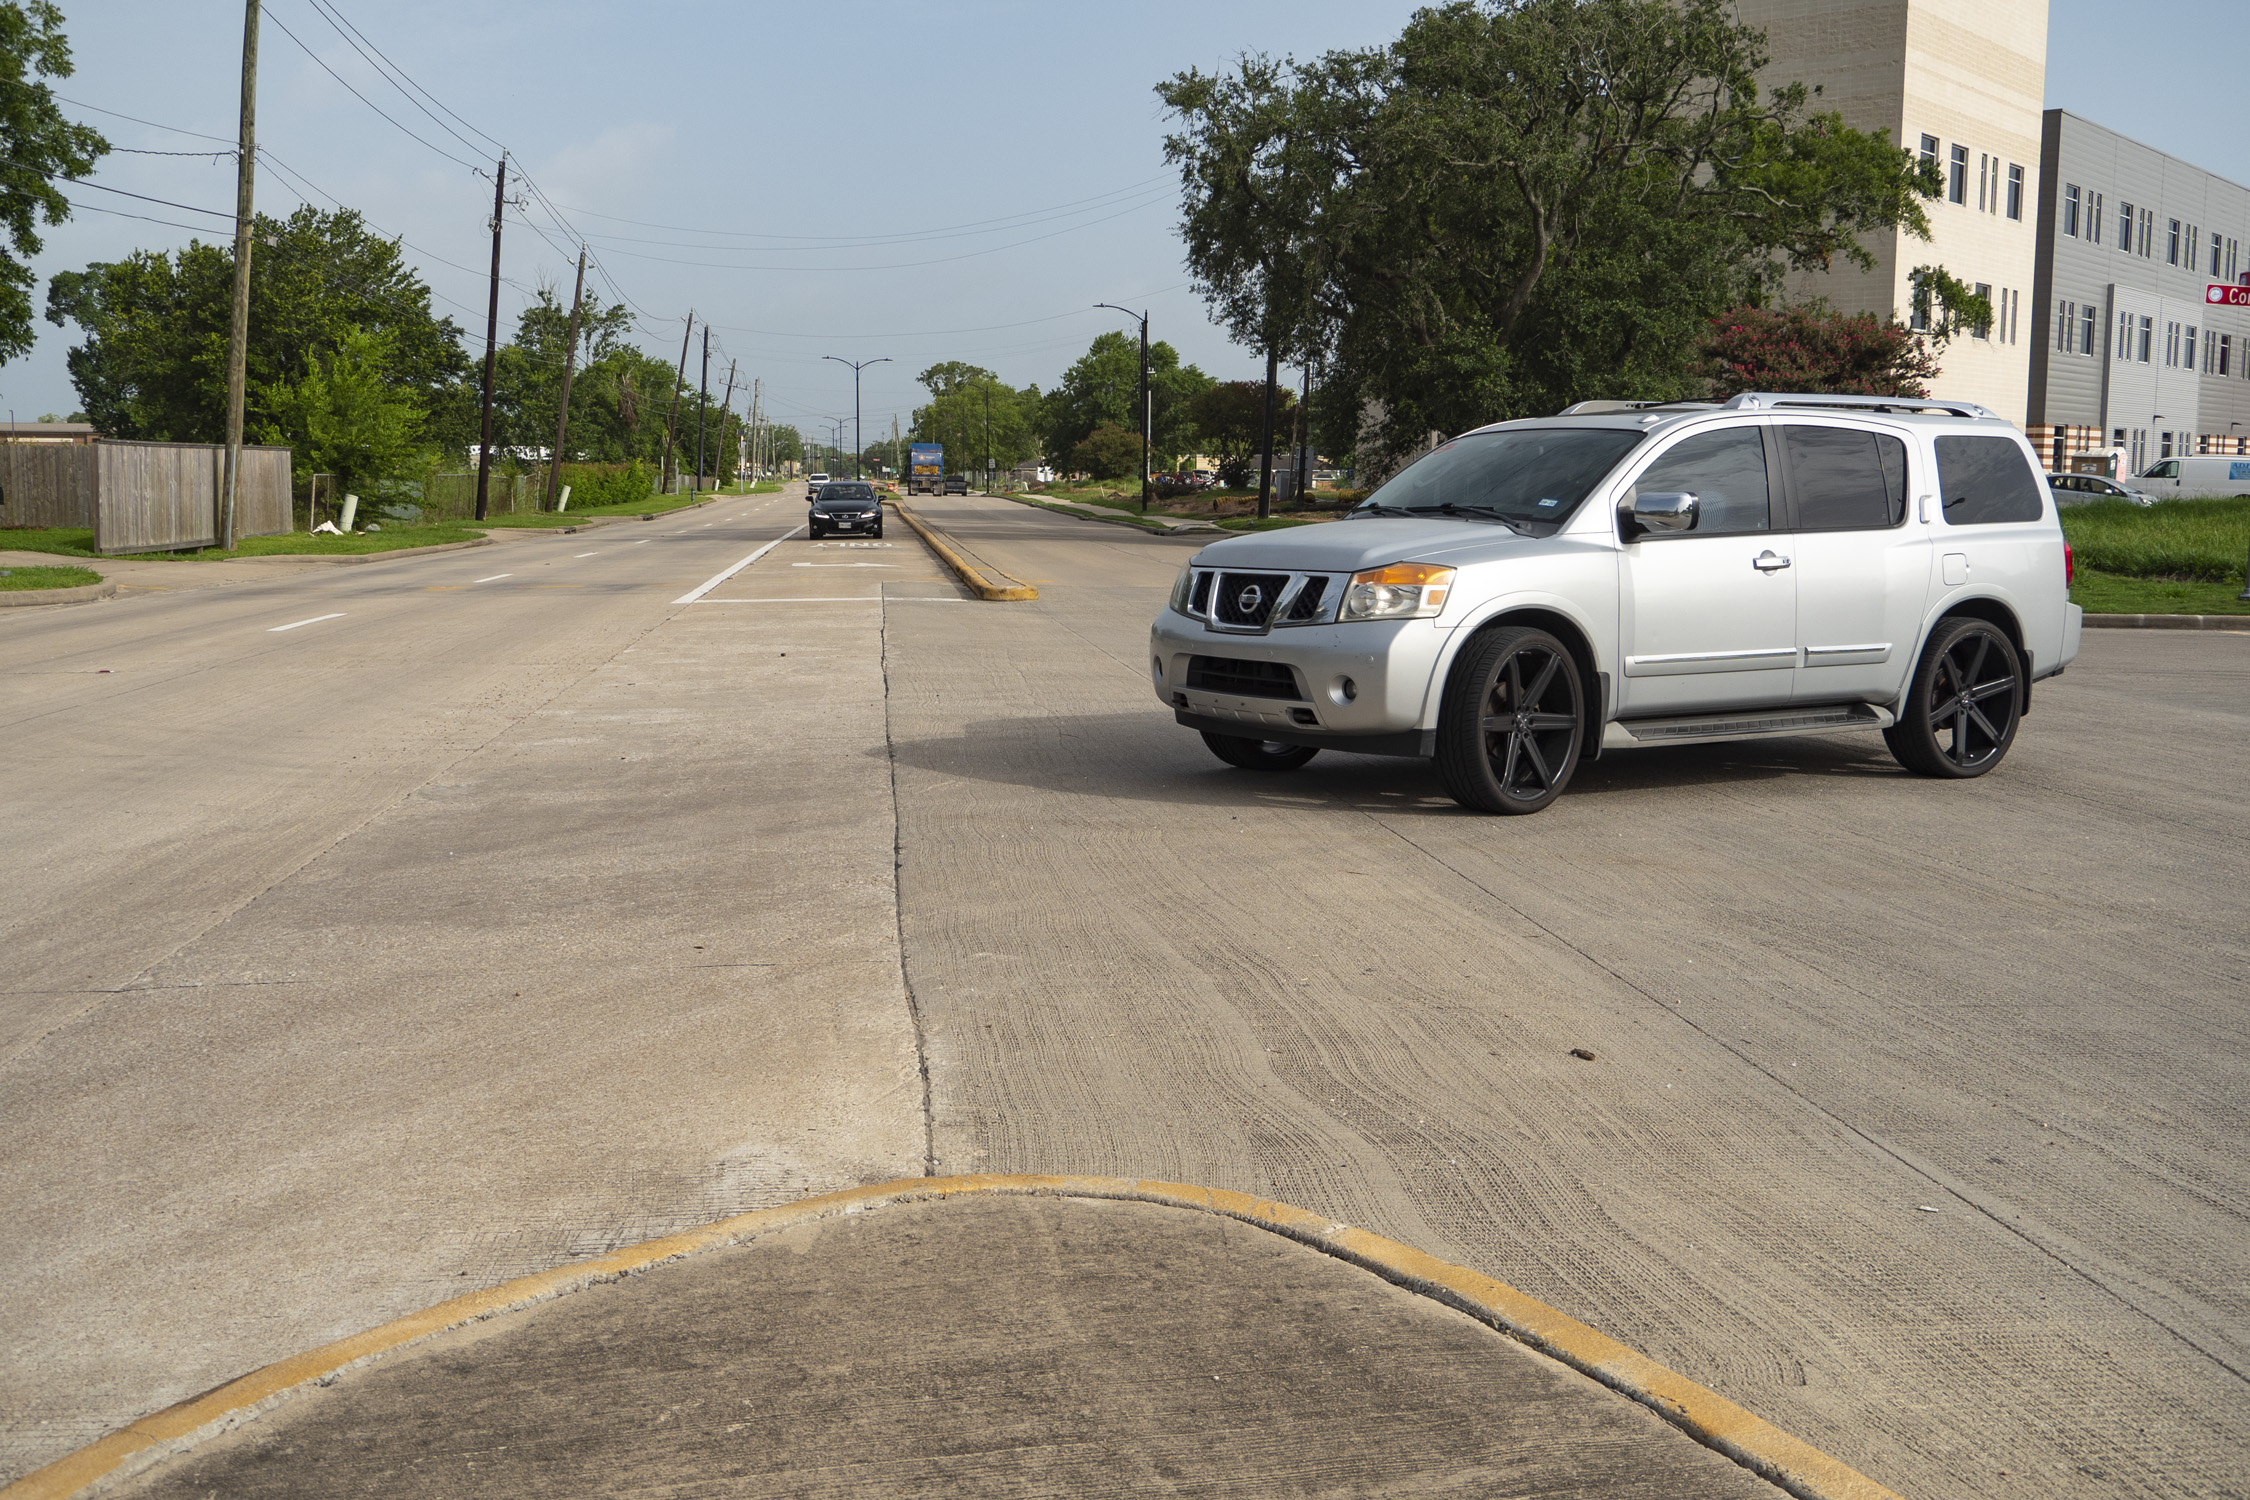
x: 968, y: 573
x: 1795, y: 1466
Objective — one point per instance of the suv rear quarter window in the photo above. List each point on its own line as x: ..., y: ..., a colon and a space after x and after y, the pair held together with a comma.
x: 1986, y: 481
x: 1845, y: 478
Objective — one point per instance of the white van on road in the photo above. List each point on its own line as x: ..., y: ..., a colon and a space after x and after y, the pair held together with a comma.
x: 2192, y: 478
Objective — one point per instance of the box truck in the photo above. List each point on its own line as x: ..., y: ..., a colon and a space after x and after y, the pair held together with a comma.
x: 925, y: 468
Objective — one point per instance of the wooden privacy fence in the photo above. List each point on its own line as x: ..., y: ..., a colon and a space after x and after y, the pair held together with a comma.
x: 142, y: 497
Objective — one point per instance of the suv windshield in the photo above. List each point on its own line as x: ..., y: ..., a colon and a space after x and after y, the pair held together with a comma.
x: 1529, y: 476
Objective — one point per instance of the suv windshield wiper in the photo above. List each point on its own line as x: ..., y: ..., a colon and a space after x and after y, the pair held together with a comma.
x: 1366, y: 509
x: 1485, y: 511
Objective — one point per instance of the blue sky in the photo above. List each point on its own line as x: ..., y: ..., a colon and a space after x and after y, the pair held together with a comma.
x: 997, y: 165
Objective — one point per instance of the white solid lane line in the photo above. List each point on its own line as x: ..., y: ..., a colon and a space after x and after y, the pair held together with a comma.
x: 495, y: 578
x: 694, y: 594
x: 584, y: 554
x: 315, y: 620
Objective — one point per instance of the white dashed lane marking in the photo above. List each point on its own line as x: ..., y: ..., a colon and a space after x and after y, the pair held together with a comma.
x: 495, y: 578
x: 315, y: 620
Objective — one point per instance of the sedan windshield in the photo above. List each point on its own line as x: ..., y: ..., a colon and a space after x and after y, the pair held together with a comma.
x: 845, y: 496
x: 1532, y: 478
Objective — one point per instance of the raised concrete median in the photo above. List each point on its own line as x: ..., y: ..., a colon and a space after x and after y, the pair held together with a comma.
x: 980, y: 577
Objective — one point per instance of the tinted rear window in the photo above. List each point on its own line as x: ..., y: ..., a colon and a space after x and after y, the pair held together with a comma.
x: 1986, y: 481
x: 1845, y: 478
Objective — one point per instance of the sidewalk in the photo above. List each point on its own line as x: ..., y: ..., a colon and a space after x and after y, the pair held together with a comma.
x: 991, y: 1343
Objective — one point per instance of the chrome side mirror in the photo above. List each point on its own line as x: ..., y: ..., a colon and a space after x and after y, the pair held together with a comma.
x: 1665, y: 510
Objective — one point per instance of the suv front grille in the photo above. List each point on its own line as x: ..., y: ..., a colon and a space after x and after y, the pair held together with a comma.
x: 1242, y: 679
x: 1307, y: 604
x: 1247, y: 598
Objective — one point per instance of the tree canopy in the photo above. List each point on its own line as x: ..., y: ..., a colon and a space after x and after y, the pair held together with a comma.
x: 972, y: 412
x: 1517, y: 204
x: 37, y: 147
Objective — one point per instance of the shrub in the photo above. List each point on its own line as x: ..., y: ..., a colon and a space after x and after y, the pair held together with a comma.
x: 1812, y: 351
x: 608, y: 484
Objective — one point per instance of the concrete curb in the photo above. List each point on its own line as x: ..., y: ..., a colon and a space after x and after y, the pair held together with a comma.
x: 1795, y: 1466
x: 978, y: 579
x: 2168, y: 622
x: 85, y: 593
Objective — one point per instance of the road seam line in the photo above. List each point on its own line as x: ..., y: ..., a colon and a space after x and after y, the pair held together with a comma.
x: 1789, y: 1462
x: 695, y: 594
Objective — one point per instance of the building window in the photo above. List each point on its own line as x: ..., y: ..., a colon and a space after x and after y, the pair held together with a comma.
x: 2094, y: 218
x: 2140, y: 449
x: 1918, y: 311
x: 2164, y: 449
x: 2125, y: 226
x: 2015, y: 192
x: 2231, y: 248
x: 2171, y: 344
x: 2187, y: 255
x: 2145, y: 346
x: 2226, y: 353
x: 2187, y: 348
x: 1984, y: 176
x: 2215, y: 246
x: 1957, y: 177
x: 2124, y: 336
x: 2066, y: 327
x: 1929, y: 151
x: 2172, y: 243
x: 1983, y: 330
x: 2070, y: 209
x: 2086, y: 329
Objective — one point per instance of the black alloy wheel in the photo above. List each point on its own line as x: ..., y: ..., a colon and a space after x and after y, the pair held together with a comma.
x: 1258, y: 755
x: 1513, y: 722
x: 1963, y: 705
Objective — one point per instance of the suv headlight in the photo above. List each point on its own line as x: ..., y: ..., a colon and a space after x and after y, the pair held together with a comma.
x: 1183, y: 589
x: 1402, y: 591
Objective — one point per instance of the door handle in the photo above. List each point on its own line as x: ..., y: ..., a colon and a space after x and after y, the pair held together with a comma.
x: 1767, y: 561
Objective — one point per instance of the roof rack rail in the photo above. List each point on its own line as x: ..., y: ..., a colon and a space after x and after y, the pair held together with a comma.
x: 1773, y: 400
x: 1603, y: 408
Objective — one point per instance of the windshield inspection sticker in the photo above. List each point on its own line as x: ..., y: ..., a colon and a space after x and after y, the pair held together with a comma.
x: 1545, y: 504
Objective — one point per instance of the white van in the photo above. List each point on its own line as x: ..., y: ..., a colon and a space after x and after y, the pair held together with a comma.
x: 2184, y: 478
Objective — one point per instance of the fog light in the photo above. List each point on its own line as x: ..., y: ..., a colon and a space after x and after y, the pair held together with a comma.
x: 1343, y: 690
x: 1156, y: 669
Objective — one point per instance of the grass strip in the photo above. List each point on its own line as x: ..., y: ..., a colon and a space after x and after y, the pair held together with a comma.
x: 1127, y: 518
x: 20, y: 580
x: 2197, y: 540
x: 79, y: 542
x: 2113, y: 594
x: 541, y: 520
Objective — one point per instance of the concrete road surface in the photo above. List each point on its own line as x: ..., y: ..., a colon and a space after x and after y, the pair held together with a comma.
x: 358, y: 963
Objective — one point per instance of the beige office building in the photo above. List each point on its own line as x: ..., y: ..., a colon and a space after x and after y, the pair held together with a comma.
x: 1962, y: 83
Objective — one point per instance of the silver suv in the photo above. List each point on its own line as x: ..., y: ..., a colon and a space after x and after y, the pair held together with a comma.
x: 1536, y: 593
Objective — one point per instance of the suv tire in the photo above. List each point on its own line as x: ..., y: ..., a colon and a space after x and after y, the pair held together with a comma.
x: 1258, y: 755
x: 1962, y: 704
x: 1512, y: 722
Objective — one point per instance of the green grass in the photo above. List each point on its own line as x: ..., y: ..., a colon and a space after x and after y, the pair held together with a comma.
x: 79, y: 542
x: 13, y: 580
x: 2112, y: 594
x: 1129, y: 517
x: 1270, y: 523
x: 654, y: 505
x: 2203, y: 541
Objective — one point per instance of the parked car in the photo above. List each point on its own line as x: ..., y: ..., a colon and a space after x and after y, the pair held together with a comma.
x: 2174, y: 478
x: 1537, y: 593
x: 844, y: 505
x: 2085, y: 489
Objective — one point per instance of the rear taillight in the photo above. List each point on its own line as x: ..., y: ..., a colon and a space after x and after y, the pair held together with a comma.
x: 2070, y: 566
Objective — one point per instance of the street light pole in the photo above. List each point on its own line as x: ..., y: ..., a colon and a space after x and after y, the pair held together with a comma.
x: 1147, y: 417
x: 857, y: 366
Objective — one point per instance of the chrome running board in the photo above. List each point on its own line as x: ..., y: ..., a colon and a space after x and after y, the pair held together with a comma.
x: 1626, y: 733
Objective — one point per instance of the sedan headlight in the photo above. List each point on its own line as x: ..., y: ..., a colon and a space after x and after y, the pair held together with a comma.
x: 1183, y: 590
x: 1402, y: 591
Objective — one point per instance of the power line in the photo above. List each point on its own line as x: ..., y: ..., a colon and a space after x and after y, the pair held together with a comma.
x: 937, y: 332
x: 385, y: 69
x: 902, y: 265
x: 151, y: 124
x: 338, y: 15
x: 145, y: 198
x: 880, y: 242
x: 362, y: 98
x: 96, y: 208
x: 1003, y: 220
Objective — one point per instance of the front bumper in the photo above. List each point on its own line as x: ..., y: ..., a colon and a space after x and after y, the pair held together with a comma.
x: 1388, y: 664
x: 848, y: 523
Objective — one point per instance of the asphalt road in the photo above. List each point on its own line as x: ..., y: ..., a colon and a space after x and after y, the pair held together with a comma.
x: 1915, y: 1124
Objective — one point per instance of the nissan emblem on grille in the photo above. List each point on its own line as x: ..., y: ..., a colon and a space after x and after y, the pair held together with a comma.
x: 1249, y: 599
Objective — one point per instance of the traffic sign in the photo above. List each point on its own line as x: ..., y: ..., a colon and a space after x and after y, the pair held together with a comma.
x: 2221, y: 294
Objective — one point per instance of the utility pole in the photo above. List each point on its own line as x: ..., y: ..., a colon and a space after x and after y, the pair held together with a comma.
x: 672, y: 422
x: 702, y: 407
x: 570, y: 363
x: 238, y: 329
x: 719, y: 443
x: 988, y: 437
x: 491, y: 337
x: 1304, y: 439
x: 1265, y: 447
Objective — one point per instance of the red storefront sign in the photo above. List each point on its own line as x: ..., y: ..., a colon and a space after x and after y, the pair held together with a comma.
x: 2220, y: 294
